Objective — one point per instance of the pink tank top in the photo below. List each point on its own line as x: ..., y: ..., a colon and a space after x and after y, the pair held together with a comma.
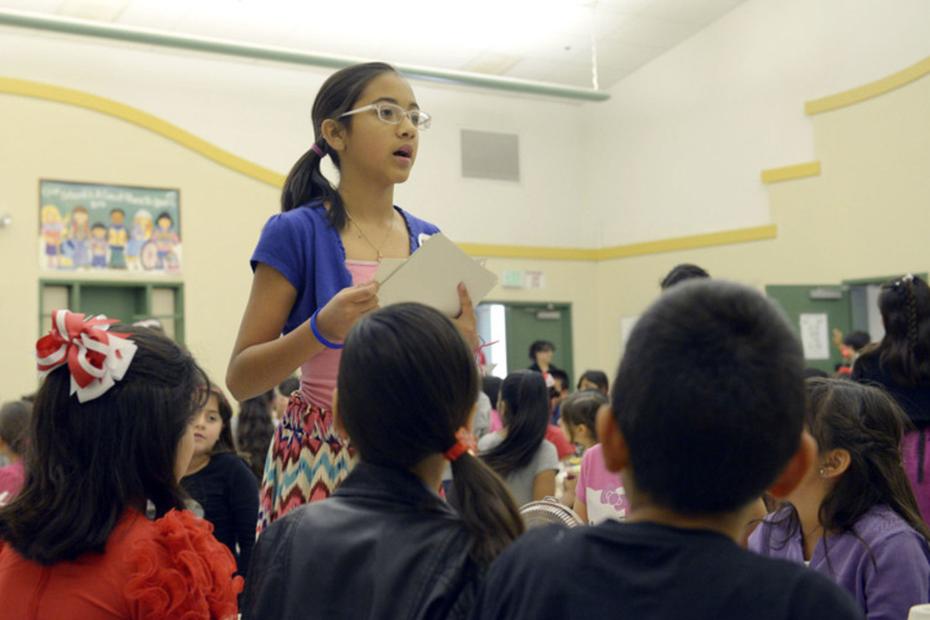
x: 318, y: 374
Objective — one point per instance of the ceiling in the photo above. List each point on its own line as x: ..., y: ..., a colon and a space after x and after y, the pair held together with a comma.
x: 543, y: 40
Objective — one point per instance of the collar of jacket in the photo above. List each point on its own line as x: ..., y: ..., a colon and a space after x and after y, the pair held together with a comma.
x: 392, y: 485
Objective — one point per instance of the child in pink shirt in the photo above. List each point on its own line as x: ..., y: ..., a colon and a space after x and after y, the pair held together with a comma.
x: 14, y: 427
x: 598, y: 493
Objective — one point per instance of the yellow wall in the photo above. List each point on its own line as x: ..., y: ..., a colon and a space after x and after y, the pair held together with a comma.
x: 222, y: 212
x: 867, y: 214
x: 863, y: 213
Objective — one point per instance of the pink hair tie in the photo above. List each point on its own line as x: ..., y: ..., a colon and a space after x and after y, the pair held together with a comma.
x: 316, y: 149
x: 95, y: 358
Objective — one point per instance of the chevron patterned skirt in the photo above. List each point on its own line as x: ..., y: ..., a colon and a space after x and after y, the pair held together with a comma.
x: 306, y: 461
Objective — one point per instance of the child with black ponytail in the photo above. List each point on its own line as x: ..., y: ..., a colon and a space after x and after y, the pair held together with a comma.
x: 900, y: 364
x: 385, y: 545
x: 314, y: 267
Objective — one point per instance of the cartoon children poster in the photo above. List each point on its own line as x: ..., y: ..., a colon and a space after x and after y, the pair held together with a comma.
x: 91, y: 227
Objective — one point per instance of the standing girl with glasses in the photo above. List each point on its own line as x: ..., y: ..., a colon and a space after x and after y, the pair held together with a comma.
x: 313, y: 270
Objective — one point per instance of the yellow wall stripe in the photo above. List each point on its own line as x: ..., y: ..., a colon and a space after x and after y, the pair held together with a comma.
x: 690, y: 242
x: 787, y: 173
x: 868, y: 91
x: 172, y: 132
x: 145, y: 120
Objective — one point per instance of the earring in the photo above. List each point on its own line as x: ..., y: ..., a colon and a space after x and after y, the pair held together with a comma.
x: 823, y: 472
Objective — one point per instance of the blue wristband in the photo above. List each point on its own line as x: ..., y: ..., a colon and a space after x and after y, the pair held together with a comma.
x: 316, y: 332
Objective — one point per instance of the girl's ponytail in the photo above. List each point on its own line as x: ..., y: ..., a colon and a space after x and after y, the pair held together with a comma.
x: 486, y: 507
x: 305, y: 183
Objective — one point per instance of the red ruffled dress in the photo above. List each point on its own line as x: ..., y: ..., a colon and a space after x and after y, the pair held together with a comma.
x: 170, y: 568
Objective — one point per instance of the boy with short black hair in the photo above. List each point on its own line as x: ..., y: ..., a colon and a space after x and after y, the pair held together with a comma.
x: 706, y: 413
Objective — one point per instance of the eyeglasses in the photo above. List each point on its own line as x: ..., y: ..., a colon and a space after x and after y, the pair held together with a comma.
x: 393, y: 114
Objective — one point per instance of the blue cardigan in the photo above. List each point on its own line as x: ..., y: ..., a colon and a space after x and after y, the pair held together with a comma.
x: 305, y: 248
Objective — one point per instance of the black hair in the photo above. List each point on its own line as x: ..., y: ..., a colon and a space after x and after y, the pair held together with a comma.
x: 598, y: 378
x: 525, y: 402
x: 562, y: 376
x: 407, y: 383
x: 539, y: 346
x: 904, y: 352
x: 717, y: 434
x: 88, y: 462
x: 492, y: 388
x: 117, y: 210
x: 581, y: 408
x: 288, y: 386
x: 305, y: 182
x: 165, y: 214
x: 224, y: 442
x: 14, y: 425
x: 255, y: 430
x: 680, y: 273
x: 858, y: 340
x: 866, y: 422
x: 98, y: 225
x: 811, y: 372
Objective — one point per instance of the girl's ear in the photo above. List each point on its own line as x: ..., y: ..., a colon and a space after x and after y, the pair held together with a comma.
x: 797, y: 467
x: 334, y: 133
x: 613, y: 443
x: 835, y: 463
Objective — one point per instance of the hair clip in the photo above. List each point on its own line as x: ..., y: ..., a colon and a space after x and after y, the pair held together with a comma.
x: 96, y: 359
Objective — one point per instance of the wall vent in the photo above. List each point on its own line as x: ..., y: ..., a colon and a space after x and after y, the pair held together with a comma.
x: 489, y: 155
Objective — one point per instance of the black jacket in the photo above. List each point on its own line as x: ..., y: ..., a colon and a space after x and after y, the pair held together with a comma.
x: 383, y: 546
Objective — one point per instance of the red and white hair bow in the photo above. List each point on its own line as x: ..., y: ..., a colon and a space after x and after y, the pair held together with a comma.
x: 96, y: 359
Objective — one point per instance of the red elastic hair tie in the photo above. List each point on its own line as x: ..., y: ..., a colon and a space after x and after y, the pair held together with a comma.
x: 456, y: 451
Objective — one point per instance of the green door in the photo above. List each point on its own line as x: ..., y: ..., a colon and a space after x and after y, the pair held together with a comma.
x: 806, y: 307
x: 528, y: 322
x: 126, y: 303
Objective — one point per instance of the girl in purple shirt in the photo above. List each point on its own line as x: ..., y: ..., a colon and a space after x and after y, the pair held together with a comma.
x: 854, y: 516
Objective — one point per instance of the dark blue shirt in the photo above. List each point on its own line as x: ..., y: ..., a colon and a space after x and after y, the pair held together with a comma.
x: 305, y: 248
x: 648, y: 571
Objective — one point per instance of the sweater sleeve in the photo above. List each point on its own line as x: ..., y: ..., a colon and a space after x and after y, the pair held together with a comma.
x: 898, y: 579
x: 243, y: 503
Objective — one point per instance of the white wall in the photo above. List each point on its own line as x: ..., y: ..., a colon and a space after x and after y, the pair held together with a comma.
x: 679, y: 147
x: 261, y: 111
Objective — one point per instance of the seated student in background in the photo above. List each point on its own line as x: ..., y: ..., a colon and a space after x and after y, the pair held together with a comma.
x: 594, y: 380
x: 255, y: 430
x: 577, y: 423
x: 854, y: 517
x: 385, y: 545
x: 681, y: 273
x: 283, y: 395
x: 14, y: 431
x: 220, y: 480
x: 491, y: 386
x: 77, y: 541
x: 599, y: 494
x: 699, y: 426
x: 520, y: 453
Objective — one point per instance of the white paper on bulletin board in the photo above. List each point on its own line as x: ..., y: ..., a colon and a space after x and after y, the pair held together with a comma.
x: 815, y: 336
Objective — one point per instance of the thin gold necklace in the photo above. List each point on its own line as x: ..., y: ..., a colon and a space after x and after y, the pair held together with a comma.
x: 376, y: 248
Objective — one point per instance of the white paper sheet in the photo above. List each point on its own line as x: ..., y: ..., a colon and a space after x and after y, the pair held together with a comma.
x: 430, y: 276
x: 815, y: 336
